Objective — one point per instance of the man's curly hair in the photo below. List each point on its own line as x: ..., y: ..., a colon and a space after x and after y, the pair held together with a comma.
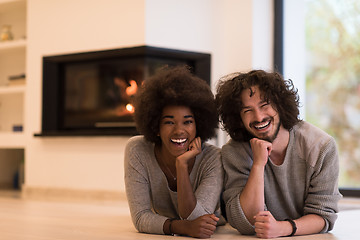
x: 280, y: 93
x: 179, y: 87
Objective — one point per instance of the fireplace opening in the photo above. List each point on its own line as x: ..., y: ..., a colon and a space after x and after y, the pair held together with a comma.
x: 91, y: 93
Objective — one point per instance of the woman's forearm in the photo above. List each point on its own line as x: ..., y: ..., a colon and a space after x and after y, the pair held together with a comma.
x: 186, y: 197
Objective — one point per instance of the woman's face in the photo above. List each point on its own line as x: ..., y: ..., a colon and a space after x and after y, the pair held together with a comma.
x: 177, y: 129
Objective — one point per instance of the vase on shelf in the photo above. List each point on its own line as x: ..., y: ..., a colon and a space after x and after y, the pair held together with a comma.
x: 6, y: 34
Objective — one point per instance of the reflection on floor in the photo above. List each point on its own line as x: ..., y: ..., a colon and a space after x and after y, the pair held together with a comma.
x: 346, y: 203
x: 58, y: 219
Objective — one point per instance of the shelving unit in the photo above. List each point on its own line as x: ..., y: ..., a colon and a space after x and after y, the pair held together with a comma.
x: 12, y: 96
x: 12, y: 62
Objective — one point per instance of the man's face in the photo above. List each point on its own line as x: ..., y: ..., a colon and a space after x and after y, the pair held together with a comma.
x: 259, y: 117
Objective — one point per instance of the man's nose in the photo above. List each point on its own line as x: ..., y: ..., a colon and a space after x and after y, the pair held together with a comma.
x: 258, y: 115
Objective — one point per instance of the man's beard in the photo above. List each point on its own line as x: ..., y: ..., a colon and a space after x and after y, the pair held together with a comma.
x: 269, y: 138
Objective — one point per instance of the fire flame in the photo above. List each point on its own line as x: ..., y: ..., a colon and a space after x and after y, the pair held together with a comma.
x: 131, y: 90
x: 130, y: 108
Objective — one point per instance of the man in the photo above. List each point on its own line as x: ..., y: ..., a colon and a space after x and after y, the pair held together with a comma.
x: 281, y: 173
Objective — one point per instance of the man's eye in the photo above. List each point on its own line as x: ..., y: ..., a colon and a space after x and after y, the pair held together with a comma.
x: 168, y: 122
x: 265, y: 104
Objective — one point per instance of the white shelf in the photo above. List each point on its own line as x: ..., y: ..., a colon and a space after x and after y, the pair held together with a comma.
x: 12, y: 89
x: 13, y: 44
x: 5, y: 5
x: 9, y: 1
x: 12, y: 140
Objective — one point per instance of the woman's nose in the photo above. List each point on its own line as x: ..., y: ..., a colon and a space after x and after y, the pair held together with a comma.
x: 178, y: 128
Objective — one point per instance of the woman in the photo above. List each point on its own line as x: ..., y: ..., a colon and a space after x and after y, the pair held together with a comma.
x: 173, y: 179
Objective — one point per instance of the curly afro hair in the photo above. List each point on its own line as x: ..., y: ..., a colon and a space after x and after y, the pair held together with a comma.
x: 175, y: 86
x: 280, y: 93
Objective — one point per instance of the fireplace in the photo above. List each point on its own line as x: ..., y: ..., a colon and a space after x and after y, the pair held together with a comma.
x: 91, y: 93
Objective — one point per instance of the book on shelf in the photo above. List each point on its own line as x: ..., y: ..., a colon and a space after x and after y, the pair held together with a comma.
x: 16, y: 80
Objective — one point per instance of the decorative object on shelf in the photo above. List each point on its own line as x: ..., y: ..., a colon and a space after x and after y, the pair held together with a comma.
x: 16, y: 80
x: 6, y: 34
x: 17, y: 128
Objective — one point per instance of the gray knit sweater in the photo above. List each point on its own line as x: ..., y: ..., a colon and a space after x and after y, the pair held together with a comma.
x: 306, y: 182
x: 150, y: 199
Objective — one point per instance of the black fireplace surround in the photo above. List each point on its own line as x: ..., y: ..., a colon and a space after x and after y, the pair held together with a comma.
x: 89, y: 94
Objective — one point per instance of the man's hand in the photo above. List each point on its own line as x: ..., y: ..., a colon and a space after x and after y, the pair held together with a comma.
x: 266, y: 226
x: 261, y: 151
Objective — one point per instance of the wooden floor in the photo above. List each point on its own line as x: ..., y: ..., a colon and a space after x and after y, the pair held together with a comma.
x: 22, y: 219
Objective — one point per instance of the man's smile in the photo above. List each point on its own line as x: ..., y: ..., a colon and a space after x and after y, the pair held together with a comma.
x: 262, y: 125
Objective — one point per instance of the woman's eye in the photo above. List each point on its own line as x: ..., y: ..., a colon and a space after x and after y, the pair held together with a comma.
x: 188, y: 122
x: 168, y: 122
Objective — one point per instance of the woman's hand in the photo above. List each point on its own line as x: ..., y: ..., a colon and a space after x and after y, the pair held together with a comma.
x: 201, y: 227
x: 194, y: 150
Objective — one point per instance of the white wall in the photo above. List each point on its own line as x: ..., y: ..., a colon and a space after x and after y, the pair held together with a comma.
x: 67, y: 26
x: 184, y: 25
x: 263, y: 35
x: 222, y: 28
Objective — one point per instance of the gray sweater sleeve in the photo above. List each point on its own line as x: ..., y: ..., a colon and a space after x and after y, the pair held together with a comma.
x: 323, y: 194
x: 138, y: 191
x: 208, y: 182
x: 237, y: 165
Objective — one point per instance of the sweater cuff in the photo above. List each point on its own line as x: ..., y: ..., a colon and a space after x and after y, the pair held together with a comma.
x: 237, y: 218
x: 160, y: 226
x: 197, y: 212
